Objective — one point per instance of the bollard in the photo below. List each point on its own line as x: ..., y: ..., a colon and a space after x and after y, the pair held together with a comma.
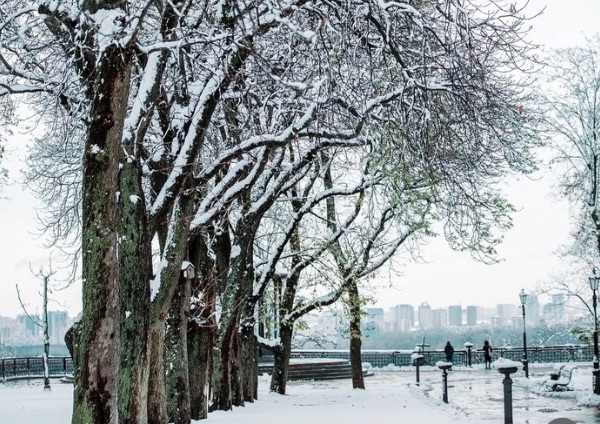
x: 418, y: 361
x: 469, y: 346
x: 507, y: 369
x: 444, y: 366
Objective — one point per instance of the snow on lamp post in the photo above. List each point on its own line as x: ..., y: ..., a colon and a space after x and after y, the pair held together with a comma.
x: 594, y: 281
x: 523, y: 297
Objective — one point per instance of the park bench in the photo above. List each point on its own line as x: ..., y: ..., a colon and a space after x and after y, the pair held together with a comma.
x: 560, y: 378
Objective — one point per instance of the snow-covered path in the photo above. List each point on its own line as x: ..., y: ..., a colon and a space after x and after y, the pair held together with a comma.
x: 476, y: 397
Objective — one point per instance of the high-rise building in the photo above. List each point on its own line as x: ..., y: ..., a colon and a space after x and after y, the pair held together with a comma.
x: 31, y: 324
x: 425, y: 321
x: 439, y: 318
x: 532, y: 310
x: 472, y: 315
x: 58, y: 324
x: 506, y: 312
x: 403, y: 317
x: 455, y: 315
x: 555, y: 311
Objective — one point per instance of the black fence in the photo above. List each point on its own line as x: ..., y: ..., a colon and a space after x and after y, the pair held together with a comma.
x: 19, y: 368
x: 383, y: 358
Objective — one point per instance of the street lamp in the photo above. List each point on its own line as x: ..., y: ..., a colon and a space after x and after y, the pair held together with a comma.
x: 523, y: 297
x: 594, y: 280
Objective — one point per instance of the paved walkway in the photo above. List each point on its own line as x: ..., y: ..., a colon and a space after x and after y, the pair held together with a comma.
x: 479, y: 393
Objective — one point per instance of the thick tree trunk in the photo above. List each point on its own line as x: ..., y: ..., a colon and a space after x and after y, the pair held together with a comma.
x: 227, y: 376
x: 202, y: 327
x: 135, y: 259
x: 173, y: 256
x: 281, y: 359
x: 200, y: 341
x: 222, y: 396
x: 96, y: 348
x: 358, y: 381
x: 157, y: 397
x: 237, y: 374
x: 176, y: 356
x: 249, y: 364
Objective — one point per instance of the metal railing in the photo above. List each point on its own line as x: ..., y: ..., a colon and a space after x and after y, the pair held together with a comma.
x: 21, y: 368
x: 535, y: 354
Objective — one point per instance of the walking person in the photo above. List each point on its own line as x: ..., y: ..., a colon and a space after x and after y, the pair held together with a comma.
x: 449, y: 350
x: 487, y: 355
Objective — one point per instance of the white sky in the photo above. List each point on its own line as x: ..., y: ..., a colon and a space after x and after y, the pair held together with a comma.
x: 540, y: 227
x: 448, y: 277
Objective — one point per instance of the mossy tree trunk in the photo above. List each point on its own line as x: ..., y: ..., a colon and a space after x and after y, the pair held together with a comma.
x: 176, y: 355
x: 227, y: 379
x: 202, y: 327
x: 281, y: 359
x: 355, y: 302
x: 97, y: 347
x: 173, y: 255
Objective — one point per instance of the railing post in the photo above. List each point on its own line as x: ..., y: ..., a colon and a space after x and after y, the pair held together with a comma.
x: 3, y: 370
x: 65, y: 365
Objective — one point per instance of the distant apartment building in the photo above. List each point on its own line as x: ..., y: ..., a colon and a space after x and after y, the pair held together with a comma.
x: 425, y: 321
x: 372, y: 323
x: 403, y: 317
x: 455, y: 315
x: 439, y: 318
x: 472, y: 315
x: 30, y: 324
x: 58, y: 324
x: 555, y: 311
x: 505, y: 312
x: 532, y: 310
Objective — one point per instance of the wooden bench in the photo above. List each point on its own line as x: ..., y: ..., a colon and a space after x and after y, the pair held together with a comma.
x: 560, y: 378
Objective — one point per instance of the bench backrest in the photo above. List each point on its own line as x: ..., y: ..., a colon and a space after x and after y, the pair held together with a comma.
x: 567, y: 370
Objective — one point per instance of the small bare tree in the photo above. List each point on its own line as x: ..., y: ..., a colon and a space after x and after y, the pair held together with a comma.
x: 43, y: 322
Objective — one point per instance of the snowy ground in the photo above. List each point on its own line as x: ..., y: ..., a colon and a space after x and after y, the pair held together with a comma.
x: 475, y: 396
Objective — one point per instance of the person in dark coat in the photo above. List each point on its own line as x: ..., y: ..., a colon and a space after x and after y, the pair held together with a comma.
x: 487, y: 355
x: 449, y: 350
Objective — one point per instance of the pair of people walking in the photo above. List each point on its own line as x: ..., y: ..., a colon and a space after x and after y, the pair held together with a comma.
x: 487, y: 353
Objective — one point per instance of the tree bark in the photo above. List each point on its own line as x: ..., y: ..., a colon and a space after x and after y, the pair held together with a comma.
x: 96, y: 347
x: 157, y: 397
x: 202, y: 326
x: 281, y: 359
x: 176, y: 356
x: 358, y: 381
x: 135, y: 266
x: 249, y: 364
x: 173, y: 255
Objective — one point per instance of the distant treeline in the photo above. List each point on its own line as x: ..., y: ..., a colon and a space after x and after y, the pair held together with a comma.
x: 31, y: 351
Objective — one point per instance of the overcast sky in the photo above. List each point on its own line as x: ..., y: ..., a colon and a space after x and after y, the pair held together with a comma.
x: 540, y: 226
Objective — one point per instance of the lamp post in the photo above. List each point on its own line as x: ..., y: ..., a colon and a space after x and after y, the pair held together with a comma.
x: 594, y: 280
x: 523, y: 297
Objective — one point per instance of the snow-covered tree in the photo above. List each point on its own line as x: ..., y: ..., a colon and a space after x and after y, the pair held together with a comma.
x: 192, y: 119
x: 571, y: 94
